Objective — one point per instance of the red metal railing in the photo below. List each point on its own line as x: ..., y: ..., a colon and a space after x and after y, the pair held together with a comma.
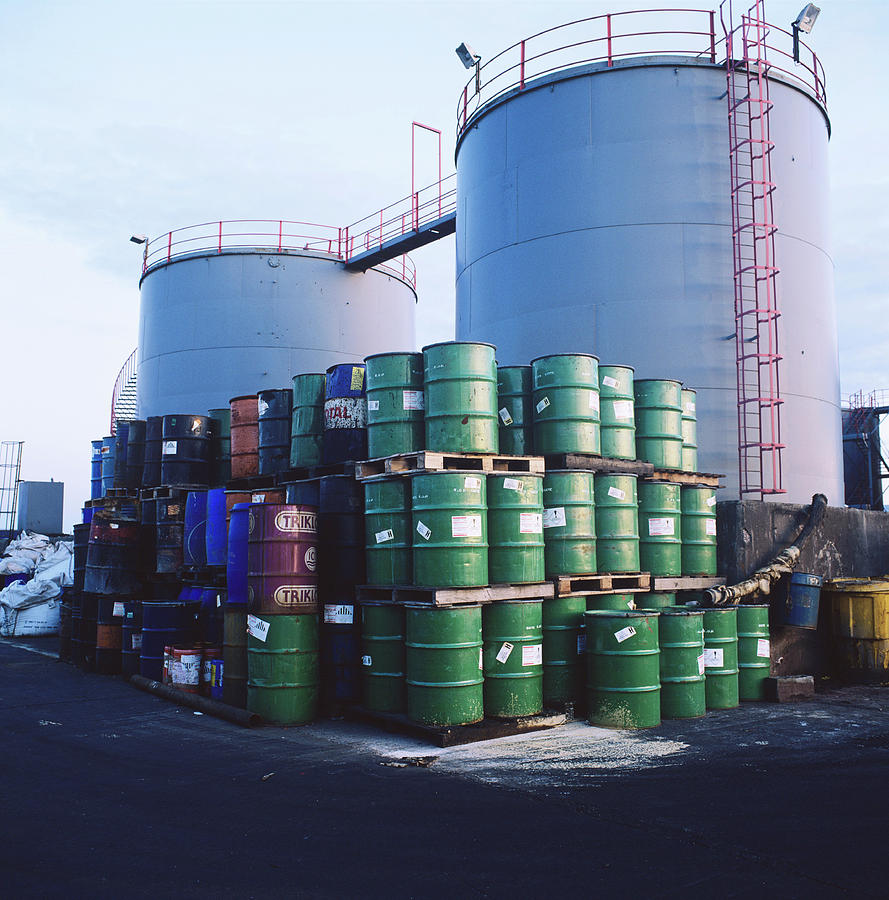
x: 616, y: 36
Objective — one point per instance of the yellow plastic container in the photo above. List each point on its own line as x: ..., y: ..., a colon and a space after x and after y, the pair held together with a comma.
x: 859, y: 611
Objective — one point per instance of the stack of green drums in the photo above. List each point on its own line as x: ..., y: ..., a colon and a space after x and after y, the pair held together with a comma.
x: 689, y: 431
x: 617, y: 523
x: 569, y: 523
x: 564, y: 650
x: 623, y: 669
x: 395, y: 420
x: 515, y: 410
x: 515, y: 528
x: 721, y: 657
x: 445, y: 680
x: 387, y: 531
x: 660, y: 528
x: 450, y: 530
x: 618, y: 426
x: 513, y: 658
x: 698, y: 530
x: 621, y: 602
x: 460, y: 384
x: 683, y: 690
x: 307, y: 422
x: 659, y: 422
x: 655, y: 600
x: 382, y: 657
x: 754, y: 651
x: 566, y: 404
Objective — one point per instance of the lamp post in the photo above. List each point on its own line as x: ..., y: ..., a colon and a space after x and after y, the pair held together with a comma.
x: 804, y: 22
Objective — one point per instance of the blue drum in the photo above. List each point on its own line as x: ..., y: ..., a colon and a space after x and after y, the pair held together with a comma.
x: 194, y: 546
x: 121, y: 440
x: 108, y: 444
x: 96, y: 472
x: 210, y: 616
x: 803, y: 599
x: 236, y: 567
x: 275, y: 408
x: 217, y: 533
x: 163, y: 624
x: 345, y: 414
x: 304, y: 493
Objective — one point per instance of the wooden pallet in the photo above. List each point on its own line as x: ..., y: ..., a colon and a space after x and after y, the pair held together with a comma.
x: 454, y: 735
x: 438, y: 461
x: 675, y: 476
x: 122, y: 494
x: 453, y: 596
x: 164, y: 492
x: 589, y: 462
x: 613, y: 583
x: 669, y: 584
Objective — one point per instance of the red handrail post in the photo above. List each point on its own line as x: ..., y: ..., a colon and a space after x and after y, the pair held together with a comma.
x: 712, y: 36
x: 608, y: 23
x: 280, y: 233
x: 522, y: 69
x: 169, y: 244
x: 219, y: 249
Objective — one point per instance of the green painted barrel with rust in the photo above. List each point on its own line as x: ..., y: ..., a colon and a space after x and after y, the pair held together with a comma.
x: 698, y: 530
x: 659, y: 422
x: 721, y: 657
x: 512, y: 631
x: 618, y: 419
x: 450, y: 530
x: 683, y: 691
x: 443, y: 662
x: 515, y: 528
x: 515, y: 411
x: 564, y: 650
x: 617, y: 523
x: 566, y: 403
x: 387, y: 531
x: 382, y: 657
x: 395, y: 404
x: 460, y: 384
x: 307, y: 420
x: 689, y: 430
x: 621, y: 602
x: 660, y: 528
x: 655, y: 600
x: 623, y: 669
x: 754, y: 651
x: 569, y: 522
x: 282, y: 670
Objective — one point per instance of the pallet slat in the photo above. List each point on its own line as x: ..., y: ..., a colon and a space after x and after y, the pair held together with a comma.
x: 605, y: 583
x: 669, y: 584
x: 588, y: 462
x: 437, y: 461
x: 674, y: 476
x: 449, y: 596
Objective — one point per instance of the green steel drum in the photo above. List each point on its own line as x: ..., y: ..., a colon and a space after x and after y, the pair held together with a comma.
x: 307, y: 421
x: 660, y: 528
x: 721, y: 657
x: 382, y: 657
x: 566, y: 403
x: 683, y: 692
x: 698, y: 530
x: 222, y: 450
x: 618, y: 423
x: 515, y: 411
x: 621, y: 602
x: 443, y: 653
x: 623, y: 669
x: 689, y: 431
x: 655, y: 600
x: 512, y: 631
x: 564, y: 650
x: 234, y: 656
x: 754, y: 651
x: 569, y: 523
x: 659, y: 422
x: 450, y: 530
x: 395, y: 420
x: 515, y: 528
x: 282, y: 670
x: 617, y: 523
x: 387, y: 531
x: 460, y: 383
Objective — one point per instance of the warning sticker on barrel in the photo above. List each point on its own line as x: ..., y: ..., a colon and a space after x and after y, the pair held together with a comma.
x: 713, y: 658
x: 710, y: 526
x: 367, y: 661
x: 504, y: 652
x: 258, y: 498
x: 383, y: 536
x: 594, y: 401
x: 423, y: 531
x: 554, y: 517
x: 218, y: 600
x: 532, y: 655
x: 472, y: 484
x: 466, y: 526
x: 581, y: 644
x: 257, y: 628
x: 169, y: 448
x: 701, y: 664
x: 263, y: 407
x: 690, y: 408
x: 373, y: 405
x: 338, y: 614
x: 513, y: 484
x: 711, y: 501
x: 623, y: 409
x: 412, y: 400
x: 661, y: 527
x: 617, y: 493
x: 505, y: 417
x: 117, y: 609
x: 357, y: 378
x: 608, y: 381
x: 762, y: 648
x: 624, y: 634
x: 481, y: 659
x: 631, y: 604
x: 114, y: 525
x: 530, y: 523
x: 542, y: 405
x: 137, y: 641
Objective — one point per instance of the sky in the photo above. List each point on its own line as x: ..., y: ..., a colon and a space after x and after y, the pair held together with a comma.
x: 119, y: 118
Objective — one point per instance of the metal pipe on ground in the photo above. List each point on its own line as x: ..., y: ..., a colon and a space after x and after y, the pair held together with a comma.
x: 197, y: 702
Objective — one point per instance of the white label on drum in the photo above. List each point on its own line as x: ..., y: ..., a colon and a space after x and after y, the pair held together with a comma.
x: 690, y: 407
x: 373, y: 405
x: 505, y: 417
x: 617, y: 492
x: 262, y: 406
x: 466, y: 526
x: 338, y: 614
x: 169, y: 448
x: 504, y: 652
x: 530, y: 523
x: 542, y: 405
x: 218, y: 600
x: 762, y: 648
x: 481, y: 660
x: 413, y: 400
x: 137, y: 640
x: 554, y: 517
x: 623, y: 409
x: 345, y: 412
x: 472, y: 484
x: 117, y: 609
x: 624, y: 634
x: 113, y: 526
x: 513, y: 484
x: 701, y: 664
x: 594, y: 400
x: 367, y: 661
x: 581, y: 644
x: 711, y: 501
x: 713, y: 658
x: 532, y: 655
x: 423, y: 531
x: 257, y: 498
x: 631, y: 603
x: 710, y: 525
x: 608, y: 381
x: 383, y: 536
x: 661, y: 527
x: 257, y: 628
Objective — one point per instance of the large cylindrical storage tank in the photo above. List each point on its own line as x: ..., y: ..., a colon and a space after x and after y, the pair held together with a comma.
x: 216, y: 325
x: 594, y: 216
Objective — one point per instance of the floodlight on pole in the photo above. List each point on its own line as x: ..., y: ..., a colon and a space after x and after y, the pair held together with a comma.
x: 804, y: 22
x: 139, y: 238
x: 467, y: 55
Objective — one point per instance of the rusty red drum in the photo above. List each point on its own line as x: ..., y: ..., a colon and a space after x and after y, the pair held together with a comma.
x: 282, y: 552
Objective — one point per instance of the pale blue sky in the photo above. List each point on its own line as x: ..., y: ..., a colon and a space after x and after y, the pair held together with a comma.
x: 129, y: 117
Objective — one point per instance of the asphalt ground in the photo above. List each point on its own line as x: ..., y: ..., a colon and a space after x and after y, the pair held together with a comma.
x: 109, y: 791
